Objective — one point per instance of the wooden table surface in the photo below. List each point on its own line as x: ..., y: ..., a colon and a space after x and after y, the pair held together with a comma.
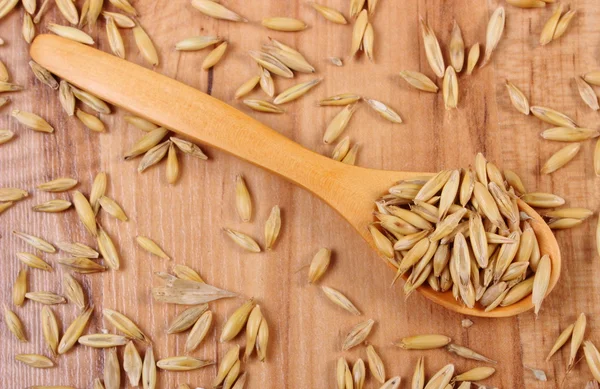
x: 306, y: 329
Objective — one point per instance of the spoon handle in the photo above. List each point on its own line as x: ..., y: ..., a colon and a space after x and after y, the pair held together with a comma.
x: 186, y: 110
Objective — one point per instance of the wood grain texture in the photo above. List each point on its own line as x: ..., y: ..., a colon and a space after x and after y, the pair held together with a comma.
x: 307, y: 330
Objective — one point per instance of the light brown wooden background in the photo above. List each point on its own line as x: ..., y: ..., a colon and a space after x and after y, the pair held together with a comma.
x: 306, y: 330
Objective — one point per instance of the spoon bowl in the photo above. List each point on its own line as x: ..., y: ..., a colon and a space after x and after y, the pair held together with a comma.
x: 350, y: 190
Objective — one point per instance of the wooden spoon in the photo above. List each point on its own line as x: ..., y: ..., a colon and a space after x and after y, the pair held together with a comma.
x: 350, y: 190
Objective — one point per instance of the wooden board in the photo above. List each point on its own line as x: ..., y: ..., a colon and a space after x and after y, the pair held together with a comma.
x: 306, y: 330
